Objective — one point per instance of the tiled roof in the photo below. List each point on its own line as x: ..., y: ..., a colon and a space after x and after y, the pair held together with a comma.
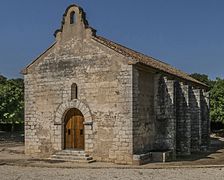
x: 146, y: 60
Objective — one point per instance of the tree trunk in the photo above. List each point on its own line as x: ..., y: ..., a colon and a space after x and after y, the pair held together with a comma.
x: 13, y: 127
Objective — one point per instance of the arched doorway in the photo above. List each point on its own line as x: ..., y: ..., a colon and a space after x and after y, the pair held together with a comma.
x: 74, y: 130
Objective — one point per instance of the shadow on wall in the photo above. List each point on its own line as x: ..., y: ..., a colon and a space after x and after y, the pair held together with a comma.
x: 182, y: 121
x: 165, y: 116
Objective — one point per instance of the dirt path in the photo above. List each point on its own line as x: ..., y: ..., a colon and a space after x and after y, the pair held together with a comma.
x: 12, y: 153
x: 15, y: 165
x: 29, y: 173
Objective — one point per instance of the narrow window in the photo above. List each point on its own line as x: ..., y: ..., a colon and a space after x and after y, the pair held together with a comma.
x: 74, y: 91
x: 72, y: 18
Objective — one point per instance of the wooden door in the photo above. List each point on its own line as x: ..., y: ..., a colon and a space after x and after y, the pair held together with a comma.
x: 74, y: 130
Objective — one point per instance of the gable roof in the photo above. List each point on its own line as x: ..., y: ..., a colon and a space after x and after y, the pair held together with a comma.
x: 147, y: 60
x: 24, y: 70
x: 137, y: 56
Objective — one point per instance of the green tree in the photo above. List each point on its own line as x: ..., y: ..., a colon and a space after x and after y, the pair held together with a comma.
x: 216, y: 90
x: 11, y: 101
x: 217, y: 101
x: 2, y: 79
x: 204, y: 79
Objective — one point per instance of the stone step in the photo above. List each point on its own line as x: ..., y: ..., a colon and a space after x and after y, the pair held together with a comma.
x: 67, y: 157
x: 71, y: 152
x: 73, y: 160
x: 72, y: 156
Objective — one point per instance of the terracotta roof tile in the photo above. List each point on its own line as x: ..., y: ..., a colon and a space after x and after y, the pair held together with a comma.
x: 149, y: 61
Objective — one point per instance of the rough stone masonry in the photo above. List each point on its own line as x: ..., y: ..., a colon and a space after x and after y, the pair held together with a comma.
x: 132, y: 104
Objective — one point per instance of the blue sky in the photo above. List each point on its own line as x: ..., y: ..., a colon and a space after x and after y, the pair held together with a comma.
x: 188, y: 34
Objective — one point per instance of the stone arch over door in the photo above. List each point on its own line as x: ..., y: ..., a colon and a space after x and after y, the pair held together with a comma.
x: 59, y: 123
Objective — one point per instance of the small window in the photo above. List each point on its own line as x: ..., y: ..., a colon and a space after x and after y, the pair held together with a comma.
x: 72, y: 18
x: 74, y: 91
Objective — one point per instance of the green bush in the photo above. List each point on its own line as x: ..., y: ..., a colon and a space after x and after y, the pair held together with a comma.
x: 11, y: 101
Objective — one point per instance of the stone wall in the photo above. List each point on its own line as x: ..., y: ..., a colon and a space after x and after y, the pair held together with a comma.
x: 183, y: 119
x: 143, y: 111
x: 205, y: 122
x: 104, y: 81
x: 182, y: 116
x: 195, y: 113
x: 165, y: 123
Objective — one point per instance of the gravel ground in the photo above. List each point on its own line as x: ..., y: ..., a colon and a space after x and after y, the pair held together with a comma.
x: 29, y: 173
x: 15, y: 165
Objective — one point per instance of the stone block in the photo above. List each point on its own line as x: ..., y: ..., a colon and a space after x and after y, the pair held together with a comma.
x: 161, y: 156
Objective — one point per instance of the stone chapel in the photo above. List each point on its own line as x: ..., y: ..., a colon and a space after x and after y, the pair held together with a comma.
x: 89, y: 98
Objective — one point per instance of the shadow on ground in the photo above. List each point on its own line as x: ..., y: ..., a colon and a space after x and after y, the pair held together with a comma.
x: 11, y: 137
x: 216, y: 149
x: 12, y: 153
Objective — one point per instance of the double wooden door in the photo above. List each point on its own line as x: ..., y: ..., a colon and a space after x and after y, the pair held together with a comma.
x: 74, y: 130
